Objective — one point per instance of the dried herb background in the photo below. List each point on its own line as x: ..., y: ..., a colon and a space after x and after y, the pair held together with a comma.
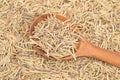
x: 98, y: 20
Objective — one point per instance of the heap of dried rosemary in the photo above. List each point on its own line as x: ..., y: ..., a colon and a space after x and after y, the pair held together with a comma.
x: 56, y: 38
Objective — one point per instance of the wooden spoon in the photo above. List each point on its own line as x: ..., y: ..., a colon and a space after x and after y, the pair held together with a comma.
x: 85, y: 48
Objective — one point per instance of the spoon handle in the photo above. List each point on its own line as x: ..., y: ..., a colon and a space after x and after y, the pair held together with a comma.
x: 104, y: 55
